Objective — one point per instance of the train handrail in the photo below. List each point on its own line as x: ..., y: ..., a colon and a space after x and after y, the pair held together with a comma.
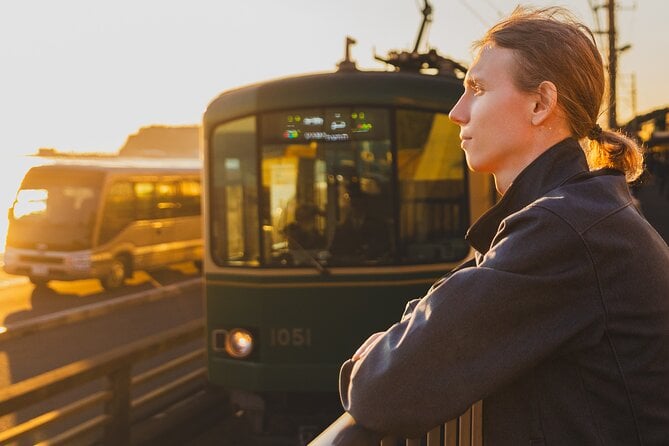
x: 466, y: 430
x: 116, y: 366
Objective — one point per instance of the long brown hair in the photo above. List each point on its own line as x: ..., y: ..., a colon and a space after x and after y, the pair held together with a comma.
x: 551, y: 45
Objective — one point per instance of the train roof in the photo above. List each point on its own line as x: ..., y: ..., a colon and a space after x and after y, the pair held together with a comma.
x: 354, y: 87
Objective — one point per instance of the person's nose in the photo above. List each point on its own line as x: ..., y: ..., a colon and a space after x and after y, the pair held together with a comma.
x: 460, y: 112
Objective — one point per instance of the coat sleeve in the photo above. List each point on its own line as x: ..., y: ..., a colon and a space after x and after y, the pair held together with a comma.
x: 534, y: 293
x: 408, y: 310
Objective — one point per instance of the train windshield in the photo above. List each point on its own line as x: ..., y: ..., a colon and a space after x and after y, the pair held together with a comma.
x: 334, y: 186
x: 56, y: 207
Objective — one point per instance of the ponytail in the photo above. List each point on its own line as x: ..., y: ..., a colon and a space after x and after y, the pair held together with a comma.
x: 614, y: 150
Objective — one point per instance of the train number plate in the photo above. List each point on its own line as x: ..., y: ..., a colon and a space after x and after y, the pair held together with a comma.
x: 290, y: 337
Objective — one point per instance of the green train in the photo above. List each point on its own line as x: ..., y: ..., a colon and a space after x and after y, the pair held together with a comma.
x: 330, y: 200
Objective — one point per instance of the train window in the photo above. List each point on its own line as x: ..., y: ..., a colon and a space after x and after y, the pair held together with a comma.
x: 326, y: 177
x: 432, y: 188
x: 234, y: 193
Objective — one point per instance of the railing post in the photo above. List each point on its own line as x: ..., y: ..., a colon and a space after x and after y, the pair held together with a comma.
x: 465, y: 421
x: 117, y: 432
x: 451, y: 433
x: 434, y: 437
x: 477, y: 424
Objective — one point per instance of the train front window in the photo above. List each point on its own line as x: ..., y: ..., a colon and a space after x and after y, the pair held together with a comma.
x: 326, y: 187
x: 431, y: 169
x: 234, y: 194
x: 333, y: 187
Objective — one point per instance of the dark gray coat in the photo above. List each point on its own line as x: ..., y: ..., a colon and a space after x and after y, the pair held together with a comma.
x: 561, y: 327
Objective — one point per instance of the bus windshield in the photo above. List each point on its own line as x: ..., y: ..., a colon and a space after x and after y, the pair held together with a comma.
x: 56, y: 212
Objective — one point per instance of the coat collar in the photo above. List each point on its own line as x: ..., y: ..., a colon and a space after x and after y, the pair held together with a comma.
x: 554, y: 167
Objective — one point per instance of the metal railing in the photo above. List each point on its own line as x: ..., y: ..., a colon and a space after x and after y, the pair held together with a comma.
x: 106, y: 414
x: 66, y: 317
x: 466, y: 430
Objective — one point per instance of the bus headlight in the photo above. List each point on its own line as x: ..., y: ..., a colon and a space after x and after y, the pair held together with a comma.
x: 239, y: 343
x: 11, y: 256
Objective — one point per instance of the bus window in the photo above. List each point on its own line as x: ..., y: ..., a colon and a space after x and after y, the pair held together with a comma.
x: 234, y: 194
x: 433, y: 199
x: 166, y: 200
x: 30, y: 202
x: 68, y: 209
x: 190, y: 192
x: 119, y: 210
x: 144, y: 200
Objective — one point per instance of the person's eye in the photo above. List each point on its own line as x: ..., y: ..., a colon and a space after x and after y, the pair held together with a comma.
x: 477, y: 90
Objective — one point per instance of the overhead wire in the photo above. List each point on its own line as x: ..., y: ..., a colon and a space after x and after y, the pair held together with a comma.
x: 480, y: 18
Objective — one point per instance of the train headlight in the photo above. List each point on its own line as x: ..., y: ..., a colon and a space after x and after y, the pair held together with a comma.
x: 239, y: 343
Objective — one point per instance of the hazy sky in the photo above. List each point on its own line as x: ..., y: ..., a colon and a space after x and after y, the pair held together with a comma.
x: 80, y: 75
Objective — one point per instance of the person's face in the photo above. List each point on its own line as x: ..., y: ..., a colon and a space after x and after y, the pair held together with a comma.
x: 493, y: 114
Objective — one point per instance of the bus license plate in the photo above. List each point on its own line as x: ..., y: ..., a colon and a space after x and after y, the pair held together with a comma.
x: 40, y: 270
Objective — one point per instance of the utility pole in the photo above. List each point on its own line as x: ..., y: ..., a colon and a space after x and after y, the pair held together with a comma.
x: 613, y: 65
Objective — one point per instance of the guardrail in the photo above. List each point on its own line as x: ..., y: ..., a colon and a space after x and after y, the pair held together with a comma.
x: 107, y: 413
x: 61, y: 318
x: 121, y: 410
x: 466, y: 430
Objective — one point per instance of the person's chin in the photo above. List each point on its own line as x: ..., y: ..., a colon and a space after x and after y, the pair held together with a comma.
x: 471, y: 160
x: 477, y: 165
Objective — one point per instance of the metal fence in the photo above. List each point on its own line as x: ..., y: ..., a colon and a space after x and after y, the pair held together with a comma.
x: 466, y: 430
x: 119, y: 400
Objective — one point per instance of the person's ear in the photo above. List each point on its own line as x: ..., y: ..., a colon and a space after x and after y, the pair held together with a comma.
x: 545, y: 102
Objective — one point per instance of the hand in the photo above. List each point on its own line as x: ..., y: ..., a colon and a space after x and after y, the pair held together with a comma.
x: 364, y: 348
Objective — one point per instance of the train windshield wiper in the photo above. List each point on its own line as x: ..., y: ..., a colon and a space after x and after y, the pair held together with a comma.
x: 309, y: 255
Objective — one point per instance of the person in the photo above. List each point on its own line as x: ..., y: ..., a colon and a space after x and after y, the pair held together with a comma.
x: 303, y: 233
x: 560, y: 323
x: 363, y: 236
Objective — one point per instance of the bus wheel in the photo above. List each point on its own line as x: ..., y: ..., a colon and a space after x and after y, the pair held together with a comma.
x: 39, y: 282
x: 116, y: 275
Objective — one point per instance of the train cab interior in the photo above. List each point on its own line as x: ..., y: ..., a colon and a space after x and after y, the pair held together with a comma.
x: 345, y: 186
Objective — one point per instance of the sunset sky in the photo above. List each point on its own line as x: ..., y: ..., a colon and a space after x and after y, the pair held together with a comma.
x: 80, y: 75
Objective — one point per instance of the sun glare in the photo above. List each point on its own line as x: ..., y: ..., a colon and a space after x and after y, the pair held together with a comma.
x: 30, y: 201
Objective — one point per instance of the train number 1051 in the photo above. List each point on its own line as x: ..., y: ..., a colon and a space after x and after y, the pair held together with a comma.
x: 290, y: 337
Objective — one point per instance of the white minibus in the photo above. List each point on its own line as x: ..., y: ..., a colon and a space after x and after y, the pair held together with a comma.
x: 104, y: 219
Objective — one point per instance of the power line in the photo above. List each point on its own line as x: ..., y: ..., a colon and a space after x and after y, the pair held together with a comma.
x: 475, y: 14
x: 495, y: 8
